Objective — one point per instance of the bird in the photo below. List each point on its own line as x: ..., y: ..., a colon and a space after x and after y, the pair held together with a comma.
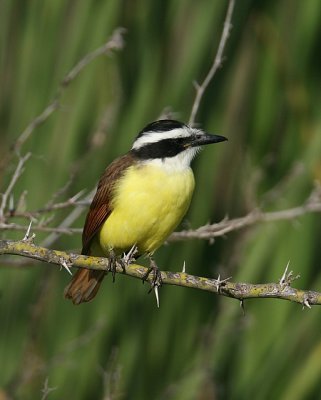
x: 141, y: 198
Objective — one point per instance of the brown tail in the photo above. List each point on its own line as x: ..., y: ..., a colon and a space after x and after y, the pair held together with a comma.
x: 84, y: 285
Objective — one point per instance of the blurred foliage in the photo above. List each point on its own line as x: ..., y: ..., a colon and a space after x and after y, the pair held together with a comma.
x: 266, y: 99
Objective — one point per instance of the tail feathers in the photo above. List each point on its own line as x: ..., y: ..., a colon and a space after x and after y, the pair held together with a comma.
x: 84, y: 285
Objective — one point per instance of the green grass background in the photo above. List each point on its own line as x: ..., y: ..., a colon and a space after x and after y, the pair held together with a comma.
x: 266, y: 99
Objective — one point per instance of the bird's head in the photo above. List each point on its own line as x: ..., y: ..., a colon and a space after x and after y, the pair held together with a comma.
x: 171, y: 142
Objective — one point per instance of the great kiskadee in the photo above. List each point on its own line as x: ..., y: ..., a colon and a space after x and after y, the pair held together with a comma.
x: 140, y: 199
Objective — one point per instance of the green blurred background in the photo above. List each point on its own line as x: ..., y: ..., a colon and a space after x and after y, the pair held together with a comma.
x: 266, y: 99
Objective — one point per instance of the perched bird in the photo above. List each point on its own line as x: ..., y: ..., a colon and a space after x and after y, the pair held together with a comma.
x: 140, y: 199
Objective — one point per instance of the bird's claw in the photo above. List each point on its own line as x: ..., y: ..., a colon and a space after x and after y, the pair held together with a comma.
x: 113, y: 263
x: 156, y: 280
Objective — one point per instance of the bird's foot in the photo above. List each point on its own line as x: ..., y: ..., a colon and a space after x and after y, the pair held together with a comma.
x: 122, y: 262
x: 114, y: 262
x: 156, y: 281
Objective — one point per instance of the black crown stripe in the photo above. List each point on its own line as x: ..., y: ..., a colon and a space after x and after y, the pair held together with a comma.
x: 163, y: 125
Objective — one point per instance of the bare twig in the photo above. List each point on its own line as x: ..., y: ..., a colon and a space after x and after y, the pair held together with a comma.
x: 213, y: 231
x: 46, y: 390
x: 115, y: 42
x: 13, y: 181
x: 71, y: 202
x: 227, y: 288
x: 218, y: 59
x: 60, y: 192
x: 66, y: 223
x: 39, y: 120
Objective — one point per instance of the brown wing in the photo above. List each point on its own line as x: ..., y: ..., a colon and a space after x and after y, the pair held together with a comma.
x: 101, y: 207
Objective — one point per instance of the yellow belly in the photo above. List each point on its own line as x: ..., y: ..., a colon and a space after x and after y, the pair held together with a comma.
x: 148, y: 205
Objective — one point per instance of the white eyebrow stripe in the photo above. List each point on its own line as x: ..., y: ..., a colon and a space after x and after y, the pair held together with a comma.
x: 154, y: 137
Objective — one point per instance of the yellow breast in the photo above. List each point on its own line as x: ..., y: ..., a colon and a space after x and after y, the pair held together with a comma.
x: 148, y: 204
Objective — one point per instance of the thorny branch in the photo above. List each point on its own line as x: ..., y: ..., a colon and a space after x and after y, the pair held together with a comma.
x: 218, y: 59
x: 241, y: 291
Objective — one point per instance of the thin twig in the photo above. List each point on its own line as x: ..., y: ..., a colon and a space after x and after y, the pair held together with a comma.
x: 218, y: 59
x: 65, y: 224
x: 46, y: 390
x: 39, y: 120
x: 225, y: 226
x: 60, y: 192
x: 115, y: 42
x: 240, y: 291
x: 13, y: 181
x: 71, y: 202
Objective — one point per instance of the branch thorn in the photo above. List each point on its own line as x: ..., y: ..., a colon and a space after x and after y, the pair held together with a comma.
x: 184, y: 267
x: 306, y: 303
x: 242, y: 306
x: 27, y: 236
x: 129, y: 257
x: 286, y: 277
x: 63, y: 263
x: 220, y: 282
x: 156, y: 295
